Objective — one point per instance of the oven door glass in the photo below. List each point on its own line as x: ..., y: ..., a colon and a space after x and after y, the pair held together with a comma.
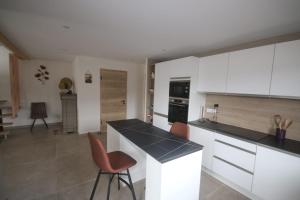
x: 178, y: 113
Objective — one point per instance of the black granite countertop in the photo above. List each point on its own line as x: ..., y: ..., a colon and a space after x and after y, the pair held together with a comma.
x: 262, y: 139
x: 233, y: 131
x: 158, y: 143
x: 287, y: 146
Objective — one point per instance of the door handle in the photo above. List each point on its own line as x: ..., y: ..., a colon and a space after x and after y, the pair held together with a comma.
x: 123, y: 101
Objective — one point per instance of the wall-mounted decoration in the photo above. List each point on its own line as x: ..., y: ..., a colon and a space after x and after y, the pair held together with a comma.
x: 65, y: 85
x: 88, y: 77
x: 42, y: 75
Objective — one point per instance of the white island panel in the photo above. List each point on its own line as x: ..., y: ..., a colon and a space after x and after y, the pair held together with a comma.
x: 174, y: 180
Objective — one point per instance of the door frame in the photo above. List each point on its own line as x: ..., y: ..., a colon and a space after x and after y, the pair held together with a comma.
x: 114, y: 70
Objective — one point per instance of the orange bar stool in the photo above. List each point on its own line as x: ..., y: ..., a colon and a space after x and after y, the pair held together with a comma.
x: 181, y: 130
x: 112, y: 163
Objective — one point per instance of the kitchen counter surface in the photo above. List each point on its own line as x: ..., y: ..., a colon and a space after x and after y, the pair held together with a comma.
x: 233, y: 131
x: 288, y: 146
x: 158, y: 143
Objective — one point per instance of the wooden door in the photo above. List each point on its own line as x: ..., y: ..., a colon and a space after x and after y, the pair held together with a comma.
x: 113, y: 92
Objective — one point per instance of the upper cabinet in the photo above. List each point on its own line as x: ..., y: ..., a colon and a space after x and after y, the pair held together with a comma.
x: 212, y: 73
x: 249, y: 70
x: 286, y: 70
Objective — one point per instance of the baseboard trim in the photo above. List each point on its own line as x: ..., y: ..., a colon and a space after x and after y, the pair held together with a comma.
x: 36, y: 125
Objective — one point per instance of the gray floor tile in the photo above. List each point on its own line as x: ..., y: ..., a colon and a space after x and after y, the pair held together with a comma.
x: 48, y: 165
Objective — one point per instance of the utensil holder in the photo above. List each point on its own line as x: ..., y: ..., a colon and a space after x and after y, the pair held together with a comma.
x: 280, y: 134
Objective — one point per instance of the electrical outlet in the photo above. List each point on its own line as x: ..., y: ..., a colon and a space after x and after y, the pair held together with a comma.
x: 210, y: 110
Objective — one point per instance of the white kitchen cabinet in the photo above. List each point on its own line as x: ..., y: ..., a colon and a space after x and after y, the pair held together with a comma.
x: 212, y: 73
x: 234, y: 155
x: 206, y: 139
x: 249, y: 70
x: 161, y: 87
x: 234, y: 160
x: 276, y: 175
x: 179, y: 68
x: 161, y: 122
x: 183, y: 67
x: 286, y: 70
x: 236, y: 142
x: 187, y: 68
x: 232, y: 173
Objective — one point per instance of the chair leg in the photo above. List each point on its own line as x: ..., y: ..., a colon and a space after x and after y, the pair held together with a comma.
x: 45, y: 123
x: 109, y: 184
x: 32, y: 125
x: 118, y: 181
x: 131, y: 185
x: 95, y: 186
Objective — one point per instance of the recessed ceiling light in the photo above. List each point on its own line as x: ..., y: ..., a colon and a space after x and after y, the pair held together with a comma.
x: 66, y: 27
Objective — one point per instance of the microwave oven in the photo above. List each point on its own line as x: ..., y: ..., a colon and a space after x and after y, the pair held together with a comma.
x: 179, y: 89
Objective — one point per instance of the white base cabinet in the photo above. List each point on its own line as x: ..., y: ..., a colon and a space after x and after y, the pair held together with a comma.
x: 234, y: 155
x: 276, y: 175
x: 255, y: 171
x: 232, y: 173
x: 234, y: 160
x: 206, y: 139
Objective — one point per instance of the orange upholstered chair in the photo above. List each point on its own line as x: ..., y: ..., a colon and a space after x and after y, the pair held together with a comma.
x: 112, y: 163
x: 181, y: 130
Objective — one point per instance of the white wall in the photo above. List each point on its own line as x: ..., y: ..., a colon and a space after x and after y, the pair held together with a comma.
x: 4, y: 74
x: 88, y: 95
x: 31, y: 90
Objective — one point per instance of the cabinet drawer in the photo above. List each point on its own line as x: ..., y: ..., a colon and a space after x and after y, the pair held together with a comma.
x: 236, y: 142
x: 235, y: 155
x: 232, y: 173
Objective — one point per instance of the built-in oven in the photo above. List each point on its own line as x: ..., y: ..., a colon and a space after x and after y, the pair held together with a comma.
x: 179, y: 93
x: 179, y: 88
x: 178, y: 110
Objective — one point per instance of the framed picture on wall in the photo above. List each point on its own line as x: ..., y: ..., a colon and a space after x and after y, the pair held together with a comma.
x: 88, y: 78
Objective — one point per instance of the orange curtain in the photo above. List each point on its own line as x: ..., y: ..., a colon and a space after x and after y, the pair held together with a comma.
x: 14, y: 84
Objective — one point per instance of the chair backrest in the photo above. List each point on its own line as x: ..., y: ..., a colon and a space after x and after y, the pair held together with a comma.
x: 99, y: 154
x: 180, y: 129
x: 38, y: 110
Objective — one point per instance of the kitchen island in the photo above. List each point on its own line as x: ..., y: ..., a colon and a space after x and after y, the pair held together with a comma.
x: 171, y: 165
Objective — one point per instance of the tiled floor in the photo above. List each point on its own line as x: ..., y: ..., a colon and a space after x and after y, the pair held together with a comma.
x: 48, y: 165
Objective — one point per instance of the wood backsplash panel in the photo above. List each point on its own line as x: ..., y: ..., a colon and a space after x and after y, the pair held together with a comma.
x: 256, y: 113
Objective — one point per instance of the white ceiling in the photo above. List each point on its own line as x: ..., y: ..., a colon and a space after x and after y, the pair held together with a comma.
x: 134, y: 29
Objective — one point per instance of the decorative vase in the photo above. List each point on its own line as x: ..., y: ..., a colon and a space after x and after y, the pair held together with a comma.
x: 280, y: 134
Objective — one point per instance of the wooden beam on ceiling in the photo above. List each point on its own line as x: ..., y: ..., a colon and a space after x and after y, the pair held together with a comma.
x: 20, y: 54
